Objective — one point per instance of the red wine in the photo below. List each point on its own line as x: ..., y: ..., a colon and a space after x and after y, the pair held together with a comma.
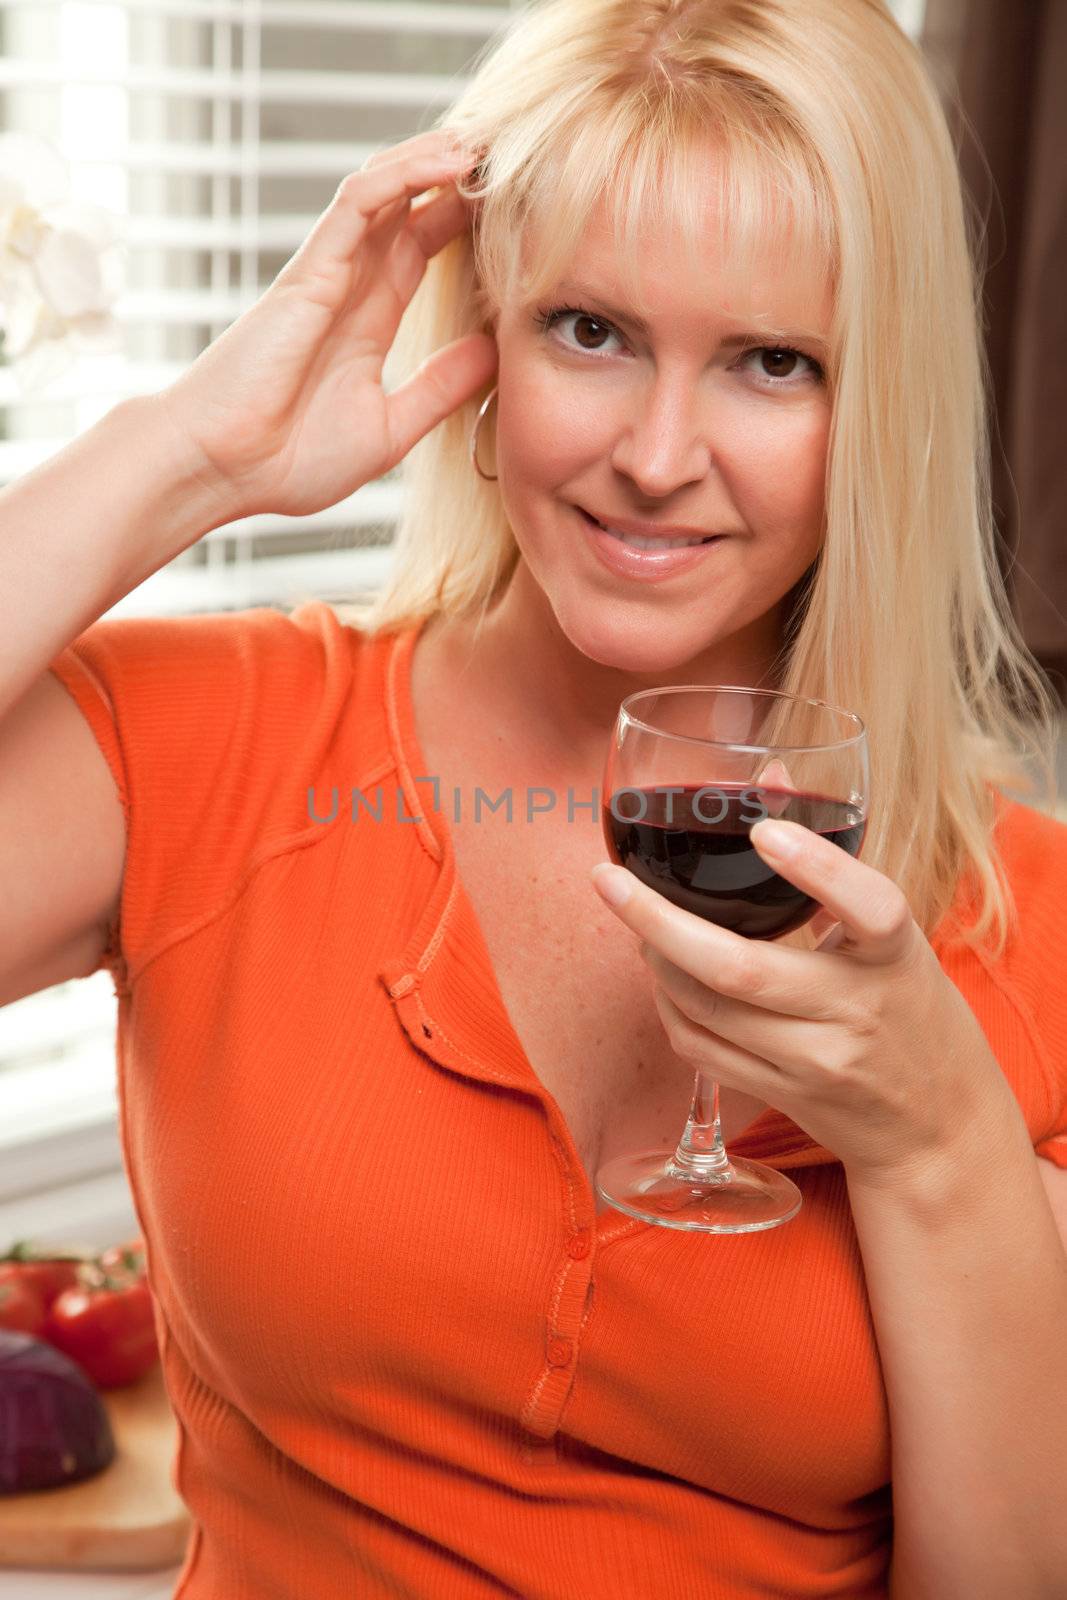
x: 691, y: 845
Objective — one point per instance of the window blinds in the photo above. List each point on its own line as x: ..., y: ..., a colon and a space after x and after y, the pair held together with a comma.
x: 219, y: 130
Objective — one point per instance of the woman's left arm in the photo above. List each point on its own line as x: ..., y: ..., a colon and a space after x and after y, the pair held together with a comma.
x: 869, y: 1046
x: 966, y: 1274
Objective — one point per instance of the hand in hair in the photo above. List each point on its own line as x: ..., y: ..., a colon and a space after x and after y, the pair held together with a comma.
x: 285, y: 411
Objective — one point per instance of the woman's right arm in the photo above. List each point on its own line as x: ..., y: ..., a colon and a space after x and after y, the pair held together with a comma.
x: 284, y: 412
x: 76, y: 535
x: 87, y: 526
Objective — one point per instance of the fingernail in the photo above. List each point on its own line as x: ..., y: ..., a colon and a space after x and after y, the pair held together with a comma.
x: 776, y: 840
x: 613, y: 884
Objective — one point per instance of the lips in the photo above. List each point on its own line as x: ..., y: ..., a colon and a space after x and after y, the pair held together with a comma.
x: 658, y: 563
x: 650, y: 540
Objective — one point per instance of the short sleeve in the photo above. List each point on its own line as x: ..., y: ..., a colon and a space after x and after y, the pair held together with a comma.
x: 209, y: 725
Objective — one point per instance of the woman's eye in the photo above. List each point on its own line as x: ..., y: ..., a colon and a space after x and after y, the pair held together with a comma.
x: 584, y: 320
x: 780, y: 366
x: 779, y: 363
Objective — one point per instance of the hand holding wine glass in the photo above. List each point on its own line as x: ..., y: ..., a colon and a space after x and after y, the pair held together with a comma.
x: 869, y: 1048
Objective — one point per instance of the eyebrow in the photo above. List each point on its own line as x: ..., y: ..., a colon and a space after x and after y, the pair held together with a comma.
x: 733, y: 341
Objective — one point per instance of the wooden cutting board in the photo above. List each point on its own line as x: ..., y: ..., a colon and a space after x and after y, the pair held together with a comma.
x: 127, y: 1518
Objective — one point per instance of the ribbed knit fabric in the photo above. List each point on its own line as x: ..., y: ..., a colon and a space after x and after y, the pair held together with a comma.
x: 406, y: 1357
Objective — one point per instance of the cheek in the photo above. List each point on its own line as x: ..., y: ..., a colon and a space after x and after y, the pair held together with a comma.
x: 782, y: 477
x: 544, y: 430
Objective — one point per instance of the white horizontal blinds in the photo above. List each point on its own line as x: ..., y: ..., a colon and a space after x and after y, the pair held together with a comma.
x: 219, y: 129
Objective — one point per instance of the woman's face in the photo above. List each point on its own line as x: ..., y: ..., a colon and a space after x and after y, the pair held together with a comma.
x: 691, y: 421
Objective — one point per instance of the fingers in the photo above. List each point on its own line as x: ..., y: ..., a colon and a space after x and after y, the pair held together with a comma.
x: 722, y: 963
x: 388, y: 179
x: 389, y: 217
x: 439, y: 386
x: 435, y: 139
x: 826, y: 931
x: 415, y: 233
x: 775, y: 776
x: 878, y: 926
x: 362, y: 194
x: 404, y: 248
x: 434, y: 222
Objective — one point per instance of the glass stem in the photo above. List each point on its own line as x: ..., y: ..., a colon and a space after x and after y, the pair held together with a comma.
x: 701, y: 1153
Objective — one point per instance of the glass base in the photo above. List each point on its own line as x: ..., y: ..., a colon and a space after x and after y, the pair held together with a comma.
x: 744, y: 1198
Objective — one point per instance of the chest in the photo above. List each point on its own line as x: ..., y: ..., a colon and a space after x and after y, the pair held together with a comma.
x: 578, y: 994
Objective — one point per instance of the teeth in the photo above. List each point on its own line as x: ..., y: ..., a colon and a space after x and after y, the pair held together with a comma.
x: 640, y: 543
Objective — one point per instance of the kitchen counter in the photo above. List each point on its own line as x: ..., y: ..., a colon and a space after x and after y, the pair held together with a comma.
x: 16, y: 1584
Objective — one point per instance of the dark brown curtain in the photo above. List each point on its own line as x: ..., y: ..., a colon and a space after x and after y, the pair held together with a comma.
x: 1002, y: 69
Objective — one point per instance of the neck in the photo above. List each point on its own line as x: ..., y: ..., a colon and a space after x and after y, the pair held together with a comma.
x: 533, y: 677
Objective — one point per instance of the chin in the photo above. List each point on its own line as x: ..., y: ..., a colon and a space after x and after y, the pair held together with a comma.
x: 644, y: 646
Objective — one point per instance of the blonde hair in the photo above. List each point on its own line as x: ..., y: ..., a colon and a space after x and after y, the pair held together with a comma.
x: 832, y: 138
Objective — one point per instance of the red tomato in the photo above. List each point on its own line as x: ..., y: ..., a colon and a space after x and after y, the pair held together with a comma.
x: 107, y: 1328
x: 21, y: 1308
x: 48, y: 1272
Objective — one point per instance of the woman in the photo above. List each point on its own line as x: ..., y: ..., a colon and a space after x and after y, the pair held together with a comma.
x: 374, y: 1043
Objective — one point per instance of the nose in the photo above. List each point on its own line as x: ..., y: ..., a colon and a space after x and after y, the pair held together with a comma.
x: 662, y: 443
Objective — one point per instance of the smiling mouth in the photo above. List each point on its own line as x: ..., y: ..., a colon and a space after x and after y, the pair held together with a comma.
x: 639, y: 542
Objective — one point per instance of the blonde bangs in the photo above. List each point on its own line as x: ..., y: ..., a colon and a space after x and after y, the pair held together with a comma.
x: 738, y: 191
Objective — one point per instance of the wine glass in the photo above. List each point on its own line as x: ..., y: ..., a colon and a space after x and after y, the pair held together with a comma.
x: 689, y: 771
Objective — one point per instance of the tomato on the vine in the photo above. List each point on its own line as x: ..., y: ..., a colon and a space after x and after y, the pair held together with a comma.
x: 21, y: 1308
x: 48, y: 1273
x: 107, y: 1326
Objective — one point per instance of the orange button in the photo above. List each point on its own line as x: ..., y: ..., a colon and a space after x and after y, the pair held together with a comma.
x: 560, y: 1352
x: 578, y: 1245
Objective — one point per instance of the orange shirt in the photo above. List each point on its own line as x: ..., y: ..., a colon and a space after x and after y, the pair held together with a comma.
x: 405, y: 1355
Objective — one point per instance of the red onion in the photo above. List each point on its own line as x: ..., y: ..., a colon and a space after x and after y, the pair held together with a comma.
x: 54, y: 1428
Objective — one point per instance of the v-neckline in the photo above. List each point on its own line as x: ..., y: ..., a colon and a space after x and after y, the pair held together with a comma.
x: 771, y: 1136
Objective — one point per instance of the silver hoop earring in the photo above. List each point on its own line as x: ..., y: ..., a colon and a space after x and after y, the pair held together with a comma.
x: 490, y: 477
